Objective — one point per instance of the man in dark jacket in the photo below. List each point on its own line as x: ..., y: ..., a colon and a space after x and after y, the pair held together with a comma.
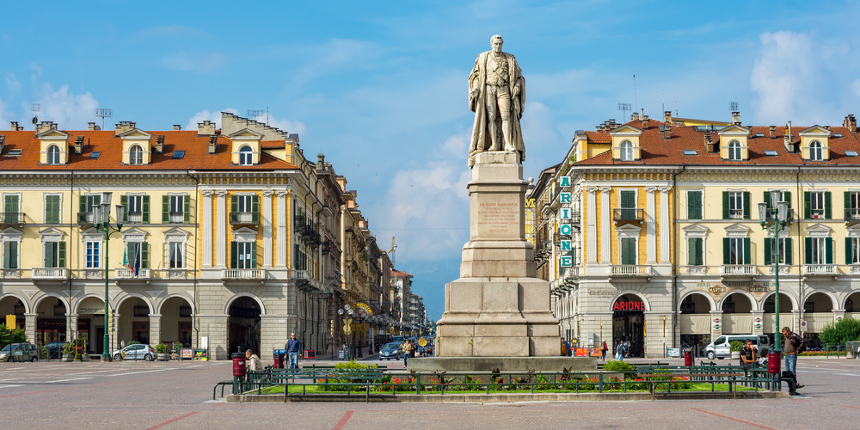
x: 293, y: 349
x: 793, y: 342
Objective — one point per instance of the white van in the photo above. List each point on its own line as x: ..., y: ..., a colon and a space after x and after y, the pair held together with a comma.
x: 722, y: 346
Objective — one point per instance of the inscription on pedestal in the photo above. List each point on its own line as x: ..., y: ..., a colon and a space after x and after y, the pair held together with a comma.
x: 499, y: 218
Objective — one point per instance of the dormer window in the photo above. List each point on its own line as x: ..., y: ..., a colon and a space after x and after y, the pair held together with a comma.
x: 136, y: 156
x: 246, y: 156
x: 626, y: 153
x: 735, y: 151
x: 54, y: 155
x: 815, y: 151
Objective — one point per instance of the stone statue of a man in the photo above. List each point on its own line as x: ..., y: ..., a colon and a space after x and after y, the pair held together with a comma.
x: 497, y: 95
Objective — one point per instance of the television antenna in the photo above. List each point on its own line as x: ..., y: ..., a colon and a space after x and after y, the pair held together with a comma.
x: 624, y: 108
x: 36, y: 108
x: 257, y: 113
x: 103, y: 113
x: 733, y: 106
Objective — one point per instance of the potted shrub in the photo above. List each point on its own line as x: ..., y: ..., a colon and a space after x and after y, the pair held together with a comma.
x: 736, y: 347
x: 161, y: 351
x: 68, y: 351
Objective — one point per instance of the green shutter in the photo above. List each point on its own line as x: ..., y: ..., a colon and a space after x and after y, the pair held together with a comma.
x: 787, y: 196
x: 807, y: 206
x: 768, y: 250
x: 165, y: 209
x: 52, y: 209
x: 847, y: 202
x: 7, y: 252
x: 130, y: 253
x: 746, y: 250
x: 61, y: 254
x: 726, y: 250
x: 144, y: 255
x: 848, y: 257
x: 83, y: 206
x: 767, y: 199
x: 254, y: 254
x: 628, y: 252
x: 694, y: 205
x: 828, y: 250
x: 828, y: 213
x: 145, y: 209
x: 808, y: 250
x: 746, y: 205
x: 123, y: 200
x: 186, y: 213
x: 234, y: 248
x: 48, y: 256
x: 787, y: 258
x: 691, y: 251
x: 234, y: 204
x: 726, y: 205
x: 255, y: 203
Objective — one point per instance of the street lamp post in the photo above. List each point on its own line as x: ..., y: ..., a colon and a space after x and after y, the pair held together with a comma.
x: 780, y: 216
x: 101, y: 221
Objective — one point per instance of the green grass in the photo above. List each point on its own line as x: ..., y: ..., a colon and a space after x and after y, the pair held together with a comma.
x: 316, y: 389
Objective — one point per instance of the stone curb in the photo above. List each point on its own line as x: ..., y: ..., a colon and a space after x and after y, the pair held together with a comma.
x: 503, y: 398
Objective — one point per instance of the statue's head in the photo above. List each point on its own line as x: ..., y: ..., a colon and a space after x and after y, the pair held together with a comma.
x: 496, y: 42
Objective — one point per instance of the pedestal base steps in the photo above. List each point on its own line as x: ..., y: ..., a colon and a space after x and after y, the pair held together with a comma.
x: 503, y: 364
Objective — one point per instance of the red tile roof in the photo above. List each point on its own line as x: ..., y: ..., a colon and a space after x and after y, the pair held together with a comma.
x: 110, y: 148
x: 656, y: 150
x: 401, y: 274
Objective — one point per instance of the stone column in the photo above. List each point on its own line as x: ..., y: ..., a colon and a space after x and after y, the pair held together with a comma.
x: 114, y: 342
x: 651, y: 226
x: 798, y: 317
x: 206, y: 230
x: 273, y: 335
x: 71, y: 327
x: 605, y: 223
x: 658, y: 337
x: 30, y: 326
x: 218, y: 344
x: 221, y: 240
x: 154, y: 329
x: 592, y: 224
x: 267, y: 229
x: 664, y: 224
x: 285, y: 220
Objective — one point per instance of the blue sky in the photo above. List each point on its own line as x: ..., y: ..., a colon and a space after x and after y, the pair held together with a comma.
x: 380, y: 87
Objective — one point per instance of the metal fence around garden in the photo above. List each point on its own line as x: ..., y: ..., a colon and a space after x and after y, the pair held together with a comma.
x: 384, y: 382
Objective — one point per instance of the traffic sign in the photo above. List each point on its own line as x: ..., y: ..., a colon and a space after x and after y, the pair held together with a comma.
x: 422, y: 342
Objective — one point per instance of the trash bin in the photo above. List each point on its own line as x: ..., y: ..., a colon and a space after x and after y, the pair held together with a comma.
x: 688, y: 359
x: 773, y: 362
x: 238, y: 366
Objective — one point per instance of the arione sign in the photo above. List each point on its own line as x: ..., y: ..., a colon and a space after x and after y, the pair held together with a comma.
x: 564, y: 181
x: 628, y: 306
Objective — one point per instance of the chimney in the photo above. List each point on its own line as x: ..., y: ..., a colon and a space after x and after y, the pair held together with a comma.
x: 736, y: 118
x: 634, y: 117
x: 45, y: 126
x: 79, y: 145
x: 91, y: 126
x: 15, y: 126
x: 213, y: 144
x: 667, y: 132
x: 2, y: 142
x: 667, y: 116
x: 159, y: 144
x: 320, y: 161
x: 852, y: 123
x: 645, y: 121
x: 773, y: 132
x: 709, y: 143
x: 125, y: 126
x: 789, y: 146
x: 206, y: 128
x: 177, y: 127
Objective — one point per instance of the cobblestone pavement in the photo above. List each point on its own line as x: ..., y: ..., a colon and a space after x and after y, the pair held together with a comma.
x: 178, y: 395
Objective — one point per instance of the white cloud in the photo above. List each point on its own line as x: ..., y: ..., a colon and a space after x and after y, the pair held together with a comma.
x: 70, y: 111
x: 214, y: 116
x: 782, y: 76
x: 197, y: 63
x: 12, y: 83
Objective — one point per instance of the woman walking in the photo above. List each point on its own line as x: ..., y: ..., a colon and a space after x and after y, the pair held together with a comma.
x: 407, y: 351
x: 603, y: 350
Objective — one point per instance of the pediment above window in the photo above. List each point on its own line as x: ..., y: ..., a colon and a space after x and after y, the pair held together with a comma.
x: 737, y: 230
x: 818, y: 230
x: 695, y: 230
x: 134, y: 235
x: 52, y: 235
x: 244, y: 234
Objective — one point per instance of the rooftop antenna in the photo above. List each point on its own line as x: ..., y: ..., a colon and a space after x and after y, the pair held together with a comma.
x: 103, y: 113
x: 258, y: 113
x: 733, y: 106
x: 675, y: 85
x: 36, y: 108
x: 624, y: 107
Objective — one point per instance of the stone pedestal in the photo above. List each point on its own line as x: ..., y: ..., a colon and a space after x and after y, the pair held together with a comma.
x: 498, y: 308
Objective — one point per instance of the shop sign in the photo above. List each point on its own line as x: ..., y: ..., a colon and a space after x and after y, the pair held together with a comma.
x: 673, y: 352
x: 564, y: 197
x: 565, y: 229
x: 565, y: 261
x: 758, y: 323
x: 186, y: 353
x: 581, y: 352
x: 595, y: 352
x: 96, y: 310
x: 628, y: 306
x: 564, y: 181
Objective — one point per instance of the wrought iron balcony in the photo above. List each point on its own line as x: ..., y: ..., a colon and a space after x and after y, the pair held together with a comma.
x: 240, y: 218
x: 628, y: 215
x: 852, y: 215
x: 12, y: 218
x: 85, y: 217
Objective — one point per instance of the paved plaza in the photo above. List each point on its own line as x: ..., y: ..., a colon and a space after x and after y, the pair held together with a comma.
x: 178, y: 395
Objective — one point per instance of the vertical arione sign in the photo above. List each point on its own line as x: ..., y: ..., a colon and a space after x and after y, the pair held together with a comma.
x: 564, y: 227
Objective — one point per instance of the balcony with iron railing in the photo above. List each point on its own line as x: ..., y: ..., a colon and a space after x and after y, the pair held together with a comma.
x: 620, y: 215
x: 575, y: 218
x: 50, y: 273
x: 126, y: 274
x: 820, y: 270
x: 631, y: 270
x: 852, y: 215
x: 244, y: 218
x: 85, y: 217
x: 11, y: 218
x: 243, y: 274
x: 176, y: 217
x: 740, y: 270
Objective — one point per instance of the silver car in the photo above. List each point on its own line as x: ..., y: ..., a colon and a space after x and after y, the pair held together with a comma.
x: 135, y: 352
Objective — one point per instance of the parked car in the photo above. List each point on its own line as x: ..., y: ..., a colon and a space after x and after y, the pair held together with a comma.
x: 135, y: 352
x: 721, y: 347
x: 390, y: 350
x: 19, y: 352
x: 55, y: 349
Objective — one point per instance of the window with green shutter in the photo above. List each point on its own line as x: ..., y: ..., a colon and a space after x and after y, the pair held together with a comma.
x: 819, y: 250
x: 695, y: 251
x: 770, y: 251
x: 628, y: 251
x: 852, y: 250
x: 694, y: 205
x: 10, y: 255
x: 186, y: 209
x: 10, y: 209
x: 145, y: 217
x: 52, y: 209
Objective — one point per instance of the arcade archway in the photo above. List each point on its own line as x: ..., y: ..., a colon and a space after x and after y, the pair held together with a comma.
x: 628, y: 324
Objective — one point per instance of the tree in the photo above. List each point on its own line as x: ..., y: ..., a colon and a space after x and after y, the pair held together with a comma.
x: 846, y: 330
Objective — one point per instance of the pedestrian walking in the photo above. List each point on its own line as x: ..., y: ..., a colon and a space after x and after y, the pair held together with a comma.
x: 293, y: 349
x: 604, y: 349
x: 793, y: 345
x: 620, y: 350
x: 407, y: 351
